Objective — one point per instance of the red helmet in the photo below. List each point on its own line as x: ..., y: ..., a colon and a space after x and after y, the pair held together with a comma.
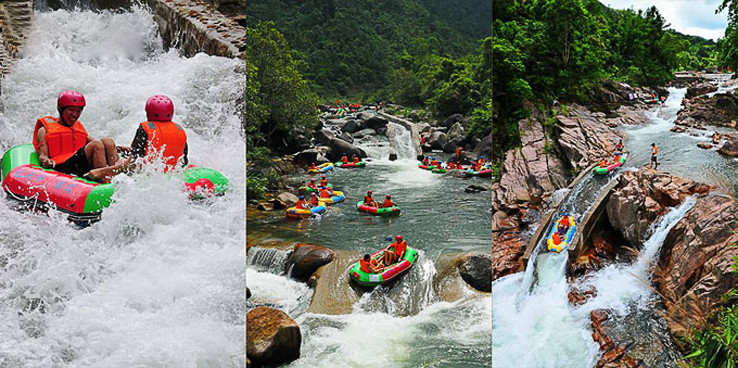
x: 159, y: 108
x: 322, y: 176
x: 70, y: 98
x: 398, y: 238
x: 368, y: 192
x: 388, y: 196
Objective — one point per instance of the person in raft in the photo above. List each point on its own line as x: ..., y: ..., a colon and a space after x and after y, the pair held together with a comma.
x: 619, y: 147
x: 63, y: 144
x: 397, y: 251
x: 312, y: 166
x: 314, y: 200
x: 344, y: 159
x: 356, y: 159
x: 369, y: 200
x: 556, y: 238
x: 564, y: 224
x: 325, y: 192
x: 323, y: 181
x: 159, y: 136
x: 370, y: 265
x: 654, y: 156
x: 617, y: 157
x: 301, y: 203
x: 388, y: 201
x: 425, y: 161
x: 312, y: 184
x: 603, y: 163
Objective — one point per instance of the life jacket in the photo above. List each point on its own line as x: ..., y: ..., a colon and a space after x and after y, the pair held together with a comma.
x: 603, y: 163
x: 388, y: 203
x: 166, y: 137
x: 400, y: 248
x: 556, y: 238
x: 301, y: 204
x: 654, y: 151
x: 323, y: 182
x: 564, y: 221
x: 365, y: 266
x: 368, y: 200
x: 314, y: 201
x: 312, y: 185
x: 344, y: 159
x: 619, y: 146
x: 425, y: 162
x: 312, y: 167
x: 434, y: 163
x: 617, y: 158
x: 356, y: 160
x: 324, y: 193
x: 63, y: 141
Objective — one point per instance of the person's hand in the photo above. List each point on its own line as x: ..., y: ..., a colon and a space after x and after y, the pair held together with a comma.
x: 46, y: 162
x: 123, y: 149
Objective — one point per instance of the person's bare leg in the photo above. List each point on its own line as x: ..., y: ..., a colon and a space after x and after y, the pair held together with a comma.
x: 105, y: 174
x: 111, y: 153
x: 95, y: 152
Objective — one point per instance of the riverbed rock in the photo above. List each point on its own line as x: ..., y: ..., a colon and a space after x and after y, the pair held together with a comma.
x: 351, y: 126
x: 585, y: 140
x: 455, y: 131
x: 449, y: 121
x: 700, y: 89
x: 720, y: 109
x: 273, y: 337
x: 509, y: 244
x: 483, y: 147
x: 334, y: 291
x: 375, y: 122
x: 476, y: 269
x: 346, y: 137
x: 287, y: 199
x: 642, y: 196
x: 364, y: 132
x: 475, y: 188
x: 730, y: 147
x: 704, y: 145
x: 339, y: 147
x: 696, y: 263
x: 306, y: 258
x: 437, y: 140
x: 323, y: 136
x: 307, y: 157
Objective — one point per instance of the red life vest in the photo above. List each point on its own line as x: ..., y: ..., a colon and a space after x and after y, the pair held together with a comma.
x: 400, y: 248
x: 166, y: 137
x: 63, y: 141
x: 368, y: 200
x: 387, y: 203
x: 301, y: 205
x: 365, y: 266
x: 323, y: 182
x: 344, y: 159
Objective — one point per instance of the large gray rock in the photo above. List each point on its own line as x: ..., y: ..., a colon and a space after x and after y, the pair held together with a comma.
x: 455, y: 131
x: 375, y: 122
x: 346, y: 137
x: 364, y: 132
x: 476, y: 269
x: 273, y: 337
x: 351, y: 126
x: 730, y: 147
x: 451, y: 120
x: 584, y: 140
x: 339, y: 147
x: 437, y: 140
x: 287, y: 198
x: 323, y: 136
x: 306, y: 258
x: 700, y: 89
x: 307, y: 157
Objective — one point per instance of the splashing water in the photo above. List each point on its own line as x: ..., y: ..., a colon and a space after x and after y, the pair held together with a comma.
x: 159, y: 280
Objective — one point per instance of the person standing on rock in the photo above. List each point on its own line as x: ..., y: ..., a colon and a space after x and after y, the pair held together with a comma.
x: 654, y: 157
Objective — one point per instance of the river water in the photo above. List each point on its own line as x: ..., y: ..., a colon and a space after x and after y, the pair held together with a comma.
x: 406, y: 325
x: 159, y: 281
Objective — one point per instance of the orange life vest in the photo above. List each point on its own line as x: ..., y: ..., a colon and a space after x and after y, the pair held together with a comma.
x: 323, y: 182
x: 301, y: 205
x: 654, y: 151
x: 312, y: 185
x: 619, y: 146
x: 314, y: 201
x: 63, y: 141
x: 356, y: 159
x: 603, y: 163
x: 564, y: 221
x: 324, y: 193
x: 556, y: 238
x: 344, y: 159
x: 368, y: 200
x: 400, y: 248
x: 365, y: 266
x: 166, y: 137
x: 388, y: 203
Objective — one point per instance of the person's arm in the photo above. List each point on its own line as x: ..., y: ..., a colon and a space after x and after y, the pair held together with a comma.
x: 43, y: 150
x: 89, y: 138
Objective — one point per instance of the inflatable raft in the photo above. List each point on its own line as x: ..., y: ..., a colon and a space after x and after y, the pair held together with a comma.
x: 321, y: 168
x: 305, y: 189
x: 301, y: 213
x: 388, y: 273
x: 24, y: 179
x: 377, y: 211
x: 426, y: 167
x: 350, y: 165
x: 484, y: 173
x: 604, y: 170
x: 565, y: 239
x: 335, y: 198
x: 438, y: 171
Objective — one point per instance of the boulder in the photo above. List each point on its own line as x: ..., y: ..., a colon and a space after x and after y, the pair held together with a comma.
x: 425, y: 129
x: 345, y: 137
x: 273, y: 337
x: 449, y: 147
x: 449, y: 121
x: 437, y: 140
x: 323, y: 136
x: 509, y: 244
x: 351, y: 126
x: 455, y: 131
x: 306, y: 258
x: 484, y: 146
x: 475, y: 189
x: 375, y: 122
x: 339, y: 147
x: 700, y: 89
x: 584, y: 140
x: 730, y: 147
x: 476, y: 269
x: 306, y: 157
x: 704, y: 145
x: 248, y: 293
x: 364, y: 132
x: 287, y: 199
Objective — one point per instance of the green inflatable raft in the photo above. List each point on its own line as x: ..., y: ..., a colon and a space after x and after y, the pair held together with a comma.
x: 388, y: 273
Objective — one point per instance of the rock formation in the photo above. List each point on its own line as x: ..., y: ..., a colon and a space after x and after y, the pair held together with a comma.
x: 272, y: 337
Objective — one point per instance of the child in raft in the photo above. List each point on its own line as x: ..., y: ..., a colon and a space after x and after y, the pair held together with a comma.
x: 356, y: 159
x: 370, y: 265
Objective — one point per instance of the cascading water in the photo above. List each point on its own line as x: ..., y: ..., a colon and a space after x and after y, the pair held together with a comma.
x: 159, y: 280
x: 539, y: 328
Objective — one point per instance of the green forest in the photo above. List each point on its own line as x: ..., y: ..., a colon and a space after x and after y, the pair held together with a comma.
x: 563, y: 49
x: 428, y: 54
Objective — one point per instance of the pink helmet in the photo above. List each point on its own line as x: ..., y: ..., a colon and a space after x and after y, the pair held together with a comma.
x: 159, y: 108
x: 70, y: 98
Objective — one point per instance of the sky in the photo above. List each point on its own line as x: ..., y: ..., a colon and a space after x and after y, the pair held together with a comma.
x: 692, y: 17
